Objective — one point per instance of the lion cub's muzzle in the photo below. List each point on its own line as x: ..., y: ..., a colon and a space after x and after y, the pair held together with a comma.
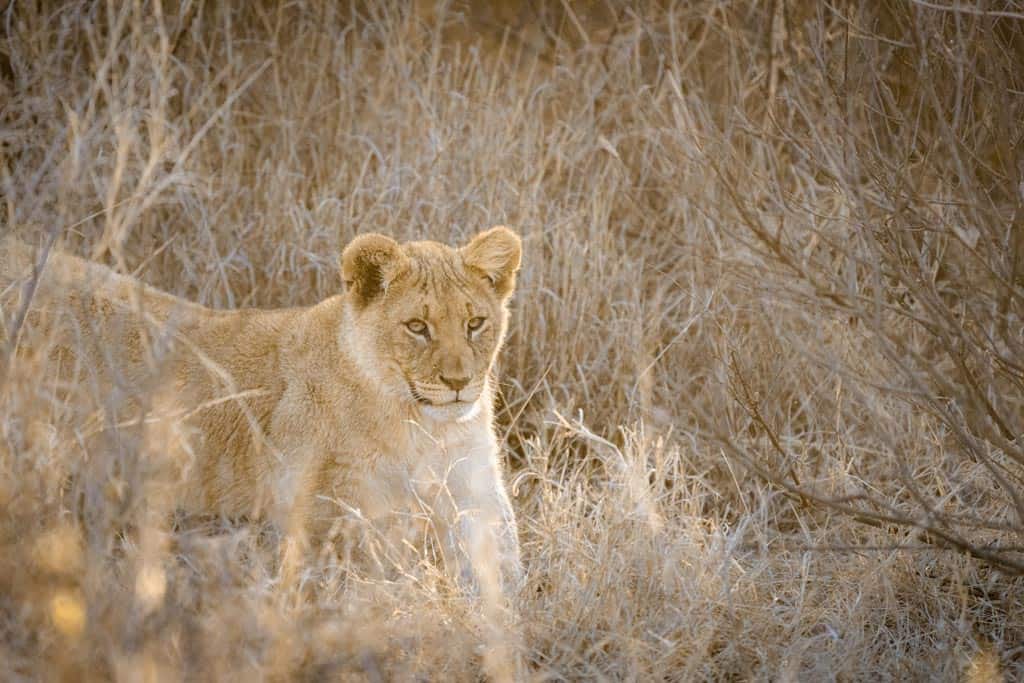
x: 437, y: 394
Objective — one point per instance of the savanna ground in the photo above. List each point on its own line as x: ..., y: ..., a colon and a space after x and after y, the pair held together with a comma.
x: 763, y: 393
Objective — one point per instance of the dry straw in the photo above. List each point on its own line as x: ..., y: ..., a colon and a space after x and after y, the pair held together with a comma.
x: 763, y: 397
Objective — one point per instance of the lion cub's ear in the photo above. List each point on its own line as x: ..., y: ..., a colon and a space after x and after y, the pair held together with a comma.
x: 496, y: 253
x: 368, y: 264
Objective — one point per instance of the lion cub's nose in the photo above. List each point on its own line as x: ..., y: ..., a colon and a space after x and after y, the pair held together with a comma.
x: 455, y: 383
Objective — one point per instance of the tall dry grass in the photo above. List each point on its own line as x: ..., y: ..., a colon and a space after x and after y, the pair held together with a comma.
x: 762, y: 397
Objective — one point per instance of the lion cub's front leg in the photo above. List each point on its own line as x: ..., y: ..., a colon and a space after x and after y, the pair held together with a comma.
x: 478, y: 524
x: 292, y: 494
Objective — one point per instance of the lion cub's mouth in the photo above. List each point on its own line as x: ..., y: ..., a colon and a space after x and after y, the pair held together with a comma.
x: 423, y: 400
x: 453, y: 411
x: 459, y: 403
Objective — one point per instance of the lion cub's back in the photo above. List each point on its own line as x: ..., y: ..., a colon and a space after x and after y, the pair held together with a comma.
x: 63, y: 274
x: 86, y: 310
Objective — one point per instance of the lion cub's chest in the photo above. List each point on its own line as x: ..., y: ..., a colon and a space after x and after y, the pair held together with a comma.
x: 422, y: 462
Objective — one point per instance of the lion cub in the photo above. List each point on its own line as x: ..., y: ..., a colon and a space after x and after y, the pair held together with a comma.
x: 372, y: 400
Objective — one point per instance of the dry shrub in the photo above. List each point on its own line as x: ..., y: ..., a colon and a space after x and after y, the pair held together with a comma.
x: 762, y: 395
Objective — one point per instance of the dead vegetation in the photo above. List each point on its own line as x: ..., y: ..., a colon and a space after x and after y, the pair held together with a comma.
x: 763, y: 396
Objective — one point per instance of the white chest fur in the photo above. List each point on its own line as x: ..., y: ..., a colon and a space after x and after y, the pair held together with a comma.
x: 428, y: 463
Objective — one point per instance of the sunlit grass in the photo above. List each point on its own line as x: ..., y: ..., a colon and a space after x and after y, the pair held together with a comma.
x: 762, y: 276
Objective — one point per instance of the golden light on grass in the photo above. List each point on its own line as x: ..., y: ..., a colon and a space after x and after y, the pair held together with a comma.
x: 59, y: 550
x: 67, y: 612
x: 150, y: 585
x: 761, y: 399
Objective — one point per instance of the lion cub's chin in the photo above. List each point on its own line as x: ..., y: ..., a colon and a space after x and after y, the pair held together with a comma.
x: 461, y: 411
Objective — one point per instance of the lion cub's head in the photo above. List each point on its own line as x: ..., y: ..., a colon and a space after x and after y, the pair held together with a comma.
x: 432, y: 317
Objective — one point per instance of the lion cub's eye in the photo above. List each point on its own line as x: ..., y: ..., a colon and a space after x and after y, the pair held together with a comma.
x: 417, y: 327
x: 475, y: 324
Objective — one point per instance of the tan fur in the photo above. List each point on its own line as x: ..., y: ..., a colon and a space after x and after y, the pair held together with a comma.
x: 336, y: 406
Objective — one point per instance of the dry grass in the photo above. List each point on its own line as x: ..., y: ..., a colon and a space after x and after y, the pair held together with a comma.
x: 762, y: 397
